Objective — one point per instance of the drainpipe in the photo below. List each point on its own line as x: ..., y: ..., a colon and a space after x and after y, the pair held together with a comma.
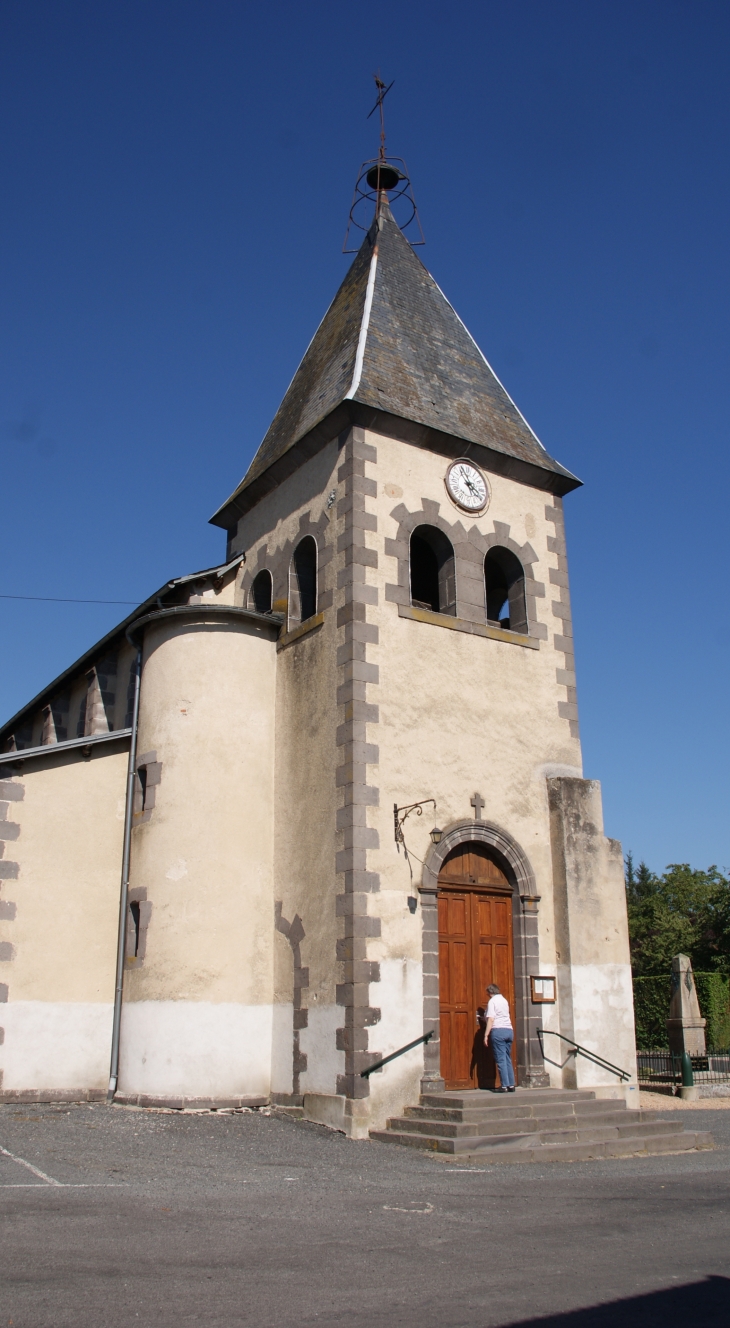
x: 124, y: 893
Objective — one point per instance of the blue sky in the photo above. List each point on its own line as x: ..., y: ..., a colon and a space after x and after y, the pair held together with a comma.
x: 177, y: 179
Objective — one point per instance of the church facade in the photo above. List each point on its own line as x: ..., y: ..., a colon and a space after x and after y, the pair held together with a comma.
x: 204, y: 881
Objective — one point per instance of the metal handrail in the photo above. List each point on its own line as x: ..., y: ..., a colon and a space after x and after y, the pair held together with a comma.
x: 365, y: 1074
x: 577, y: 1050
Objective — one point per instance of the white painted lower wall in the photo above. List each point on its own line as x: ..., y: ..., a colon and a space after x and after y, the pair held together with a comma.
x: 399, y: 994
x: 319, y: 1041
x: 49, y: 1045
x: 602, y: 1019
x: 282, y: 1048
x: 196, y: 1049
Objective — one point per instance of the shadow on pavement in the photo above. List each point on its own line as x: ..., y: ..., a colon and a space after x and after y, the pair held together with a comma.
x: 697, y: 1304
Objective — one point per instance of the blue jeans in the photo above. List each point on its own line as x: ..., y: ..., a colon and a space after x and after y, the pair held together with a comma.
x: 500, y: 1040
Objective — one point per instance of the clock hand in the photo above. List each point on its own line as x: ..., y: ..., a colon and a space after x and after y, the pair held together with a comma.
x: 465, y: 477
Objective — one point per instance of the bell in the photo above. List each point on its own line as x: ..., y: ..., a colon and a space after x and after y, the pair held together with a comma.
x: 382, y: 176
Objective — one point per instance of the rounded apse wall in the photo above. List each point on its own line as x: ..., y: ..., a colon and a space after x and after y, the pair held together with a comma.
x: 197, y: 1010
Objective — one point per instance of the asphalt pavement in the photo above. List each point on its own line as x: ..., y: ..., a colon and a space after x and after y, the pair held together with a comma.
x: 114, y: 1217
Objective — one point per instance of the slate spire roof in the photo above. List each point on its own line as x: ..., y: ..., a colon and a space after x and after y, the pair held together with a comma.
x: 392, y: 353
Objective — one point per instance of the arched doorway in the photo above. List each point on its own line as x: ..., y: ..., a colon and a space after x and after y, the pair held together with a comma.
x: 475, y: 949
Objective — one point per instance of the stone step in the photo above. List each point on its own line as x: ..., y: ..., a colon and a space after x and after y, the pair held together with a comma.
x: 681, y: 1141
x: 556, y: 1147
x: 473, y: 1141
x: 436, y: 1144
x: 535, y: 1125
x: 501, y: 1125
x: 480, y: 1097
x: 599, y: 1133
x: 508, y: 1108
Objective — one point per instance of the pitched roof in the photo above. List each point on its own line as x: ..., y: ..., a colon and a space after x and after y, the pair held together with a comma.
x: 390, y: 341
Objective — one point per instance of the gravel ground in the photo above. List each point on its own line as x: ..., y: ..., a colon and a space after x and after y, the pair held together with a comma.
x: 139, y: 1217
x: 663, y: 1102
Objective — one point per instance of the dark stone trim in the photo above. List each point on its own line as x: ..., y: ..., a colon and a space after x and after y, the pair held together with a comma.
x: 485, y: 832
x: 10, y: 792
x: 176, y: 1103
x: 525, y: 899
x: 279, y: 563
x: 137, y: 895
x: 563, y: 637
x: 66, y: 1095
x: 149, y: 777
x: 295, y: 933
x: 470, y: 549
x: 251, y: 570
x: 357, y: 711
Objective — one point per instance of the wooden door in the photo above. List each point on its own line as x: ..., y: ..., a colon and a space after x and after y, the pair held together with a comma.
x: 475, y: 949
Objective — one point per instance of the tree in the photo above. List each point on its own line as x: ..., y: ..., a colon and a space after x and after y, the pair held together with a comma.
x: 683, y: 911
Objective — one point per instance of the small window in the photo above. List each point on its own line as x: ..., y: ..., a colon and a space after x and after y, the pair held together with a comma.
x: 142, y: 777
x: 433, y: 581
x: 134, y: 910
x: 304, y: 568
x: 261, y: 595
x: 504, y: 579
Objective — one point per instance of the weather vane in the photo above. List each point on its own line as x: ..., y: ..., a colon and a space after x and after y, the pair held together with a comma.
x: 382, y: 180
x: 382, y: 94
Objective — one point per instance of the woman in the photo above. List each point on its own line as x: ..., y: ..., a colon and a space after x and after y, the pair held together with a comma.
x: 499, y: 1030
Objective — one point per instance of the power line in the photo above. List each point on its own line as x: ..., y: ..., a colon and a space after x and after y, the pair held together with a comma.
x: 53, y: 599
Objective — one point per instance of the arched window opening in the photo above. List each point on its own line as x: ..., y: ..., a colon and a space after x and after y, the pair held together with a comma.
x: 304, y: 580
x: 261, y: 595
x: 433, y: 581
x: 504, y: 579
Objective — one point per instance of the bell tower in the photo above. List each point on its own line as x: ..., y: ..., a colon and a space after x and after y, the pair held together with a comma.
x: 435, y: 659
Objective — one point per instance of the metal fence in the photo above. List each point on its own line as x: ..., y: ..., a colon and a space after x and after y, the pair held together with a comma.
x: 665, y: 1067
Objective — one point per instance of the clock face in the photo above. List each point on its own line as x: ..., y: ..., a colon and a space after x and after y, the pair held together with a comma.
x: 467, y: 486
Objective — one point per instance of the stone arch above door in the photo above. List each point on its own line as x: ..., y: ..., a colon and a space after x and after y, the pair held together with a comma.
x: 482, y: 832
x: 531, y: 1067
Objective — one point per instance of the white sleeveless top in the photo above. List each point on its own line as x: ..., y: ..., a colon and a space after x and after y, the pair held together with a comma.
x: 498, y: 1010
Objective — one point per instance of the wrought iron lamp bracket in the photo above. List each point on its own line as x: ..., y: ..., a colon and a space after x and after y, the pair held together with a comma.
x: 401, y: 814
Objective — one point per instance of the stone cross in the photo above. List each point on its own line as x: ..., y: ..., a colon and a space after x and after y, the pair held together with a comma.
x: 477, y: 803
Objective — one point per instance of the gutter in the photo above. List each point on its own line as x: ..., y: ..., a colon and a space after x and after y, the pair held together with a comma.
x: 71, y: 744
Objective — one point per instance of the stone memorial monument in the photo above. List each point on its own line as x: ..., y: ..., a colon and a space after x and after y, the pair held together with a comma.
x: 685, y: 1024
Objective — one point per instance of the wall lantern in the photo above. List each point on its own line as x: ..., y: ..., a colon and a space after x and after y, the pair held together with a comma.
x: 436, y: 835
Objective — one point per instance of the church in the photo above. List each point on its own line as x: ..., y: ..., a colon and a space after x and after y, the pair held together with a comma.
x: 298, y: 810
